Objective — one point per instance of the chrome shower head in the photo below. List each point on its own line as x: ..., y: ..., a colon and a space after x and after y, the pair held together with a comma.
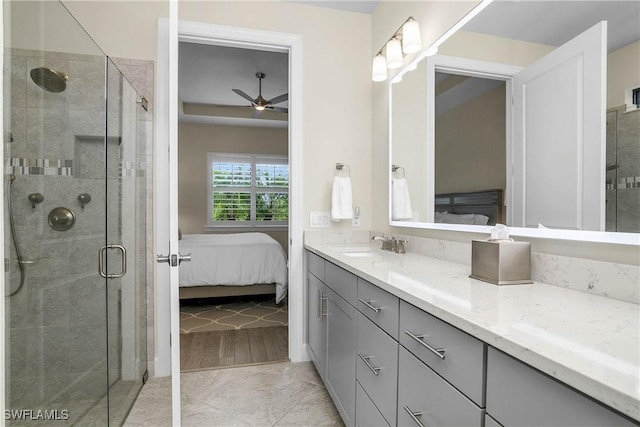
x: 49, y: 80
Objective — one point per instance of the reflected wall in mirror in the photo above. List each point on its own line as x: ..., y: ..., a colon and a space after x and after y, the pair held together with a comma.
x: 557, y: 168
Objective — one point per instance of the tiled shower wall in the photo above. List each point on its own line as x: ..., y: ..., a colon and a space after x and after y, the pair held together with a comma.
x: 57, y: 336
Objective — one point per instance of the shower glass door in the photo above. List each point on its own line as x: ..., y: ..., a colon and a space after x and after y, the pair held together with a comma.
x: 75, y: 341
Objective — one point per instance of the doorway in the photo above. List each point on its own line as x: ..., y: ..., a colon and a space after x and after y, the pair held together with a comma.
x: 170, y: 33
x: 233, y: 205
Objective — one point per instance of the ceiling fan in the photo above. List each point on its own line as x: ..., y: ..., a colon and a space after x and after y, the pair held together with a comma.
x: 261, y: 104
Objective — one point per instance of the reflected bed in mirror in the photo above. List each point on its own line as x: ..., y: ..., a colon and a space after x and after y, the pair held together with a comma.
x: 573, y: 164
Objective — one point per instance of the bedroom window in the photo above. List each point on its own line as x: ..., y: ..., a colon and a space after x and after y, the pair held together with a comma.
x: 248, y: 190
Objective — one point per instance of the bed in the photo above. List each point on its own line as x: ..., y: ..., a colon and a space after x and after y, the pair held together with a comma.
x: 232, y: 264
x: 476, y: 207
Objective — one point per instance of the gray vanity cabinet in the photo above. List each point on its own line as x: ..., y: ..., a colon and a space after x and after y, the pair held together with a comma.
x: 455, y: 355
x: 425, y: 399
x: 377, y: 367
x: 331, y: 331
x: 519, y: 395
x: 340, y: 374
x: 316, y: 324
x: 367, y: 415
x: 379, y: 306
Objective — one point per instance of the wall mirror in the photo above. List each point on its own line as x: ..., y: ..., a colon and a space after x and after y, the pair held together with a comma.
x: 523, y: 120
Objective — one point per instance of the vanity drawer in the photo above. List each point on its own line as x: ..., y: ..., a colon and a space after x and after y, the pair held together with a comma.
x: 377, y: 366
x: 518, y: 394
x: 462, y: 362
x: 315, y: 265
x: 490, y: 422
x: 379, y: 306
x: 341, y: 282
x: 420, y: 390
x: 367, y: 415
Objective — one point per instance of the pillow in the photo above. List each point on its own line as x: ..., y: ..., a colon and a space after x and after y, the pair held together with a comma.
x: 479, y: 219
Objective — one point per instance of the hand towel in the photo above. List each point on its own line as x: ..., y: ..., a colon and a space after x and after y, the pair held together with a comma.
x: 400, y: 199
x: 341, y: 198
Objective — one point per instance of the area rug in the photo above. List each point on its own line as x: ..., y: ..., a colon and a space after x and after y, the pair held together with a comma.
x: 211, y: 315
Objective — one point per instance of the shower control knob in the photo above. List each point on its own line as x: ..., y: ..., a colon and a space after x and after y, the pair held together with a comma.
x: 61, y: 219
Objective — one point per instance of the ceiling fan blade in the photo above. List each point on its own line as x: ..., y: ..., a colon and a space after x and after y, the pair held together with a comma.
x: 244, y: 95
x: 279, y: 109
x: 279, y: 99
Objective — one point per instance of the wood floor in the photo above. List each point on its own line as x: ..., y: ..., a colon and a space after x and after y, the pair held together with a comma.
x: 203, y: 350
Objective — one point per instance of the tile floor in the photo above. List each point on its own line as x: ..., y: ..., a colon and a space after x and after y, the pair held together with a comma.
x: 279, y: 394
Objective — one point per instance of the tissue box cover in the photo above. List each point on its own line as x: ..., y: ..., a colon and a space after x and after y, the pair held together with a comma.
x: 501, y: 263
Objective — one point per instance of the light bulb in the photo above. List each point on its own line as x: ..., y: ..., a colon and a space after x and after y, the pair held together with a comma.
x: 394, y: 54
x: 379, y: 69
x: 411, y: 39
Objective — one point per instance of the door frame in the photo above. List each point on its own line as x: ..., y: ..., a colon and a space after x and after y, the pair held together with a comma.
x: 472, y: 68
x: 206, y: 33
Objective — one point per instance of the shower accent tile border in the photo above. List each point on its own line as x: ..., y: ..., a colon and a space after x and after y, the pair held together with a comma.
x: 56, y: 167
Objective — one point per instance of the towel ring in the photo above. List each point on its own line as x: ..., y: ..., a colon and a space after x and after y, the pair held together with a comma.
x: 394, y: 168
x: 341, y: 166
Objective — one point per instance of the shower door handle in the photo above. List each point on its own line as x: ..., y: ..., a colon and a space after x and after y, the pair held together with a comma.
x: 123, y: 254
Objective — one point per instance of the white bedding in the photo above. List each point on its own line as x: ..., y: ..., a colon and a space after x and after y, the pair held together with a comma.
x: 233, y: 259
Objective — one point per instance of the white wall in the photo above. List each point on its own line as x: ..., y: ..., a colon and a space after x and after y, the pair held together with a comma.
x: 336, y: 76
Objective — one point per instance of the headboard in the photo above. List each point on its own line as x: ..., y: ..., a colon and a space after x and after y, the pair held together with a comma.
x: 487, y: 202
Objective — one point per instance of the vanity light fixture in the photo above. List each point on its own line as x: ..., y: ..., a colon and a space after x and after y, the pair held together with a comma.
x: 406, y: 40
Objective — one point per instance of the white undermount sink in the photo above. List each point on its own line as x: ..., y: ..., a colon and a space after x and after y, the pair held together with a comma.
x: 357, y: 252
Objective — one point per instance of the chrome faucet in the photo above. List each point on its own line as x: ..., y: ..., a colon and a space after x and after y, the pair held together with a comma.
x: 386, y: 242
x: 392, y: 244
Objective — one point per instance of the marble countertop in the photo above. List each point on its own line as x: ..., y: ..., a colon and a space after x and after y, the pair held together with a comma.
x: 589, y: 342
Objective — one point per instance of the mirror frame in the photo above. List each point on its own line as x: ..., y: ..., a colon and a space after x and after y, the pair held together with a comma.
x: 632, y: 239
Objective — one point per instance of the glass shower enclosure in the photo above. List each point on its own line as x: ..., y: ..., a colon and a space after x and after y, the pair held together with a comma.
x: 623, y: 170
x: 74, y: 154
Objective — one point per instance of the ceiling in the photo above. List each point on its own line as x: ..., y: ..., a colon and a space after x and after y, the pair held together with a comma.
x: 360, y: 6
x: 556, y: 22
x: 208, y: 73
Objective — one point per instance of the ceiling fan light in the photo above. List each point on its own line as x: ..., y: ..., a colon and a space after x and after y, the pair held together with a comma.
x: 394, y: 53
x: 379, y: 69
x: 411, y: 39
x: 259, y: 107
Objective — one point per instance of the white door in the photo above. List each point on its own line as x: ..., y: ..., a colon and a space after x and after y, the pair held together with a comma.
x: 166, y: 194
x: 559, y: 137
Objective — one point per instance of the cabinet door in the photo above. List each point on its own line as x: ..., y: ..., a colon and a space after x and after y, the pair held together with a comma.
x: 367, y: 415
x: 425, y: 399
x: 341, y: 355
x: 317, y: 330
x: 462, y: 360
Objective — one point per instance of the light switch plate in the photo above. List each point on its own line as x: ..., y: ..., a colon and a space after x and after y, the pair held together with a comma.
x: 319, y: 220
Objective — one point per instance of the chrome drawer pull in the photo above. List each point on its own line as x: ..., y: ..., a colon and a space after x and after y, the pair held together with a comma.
x: 368, y: 304
x: 323, y: 313
x: 365, y: 359
x: 414, y: 415
x: 418, y: 338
